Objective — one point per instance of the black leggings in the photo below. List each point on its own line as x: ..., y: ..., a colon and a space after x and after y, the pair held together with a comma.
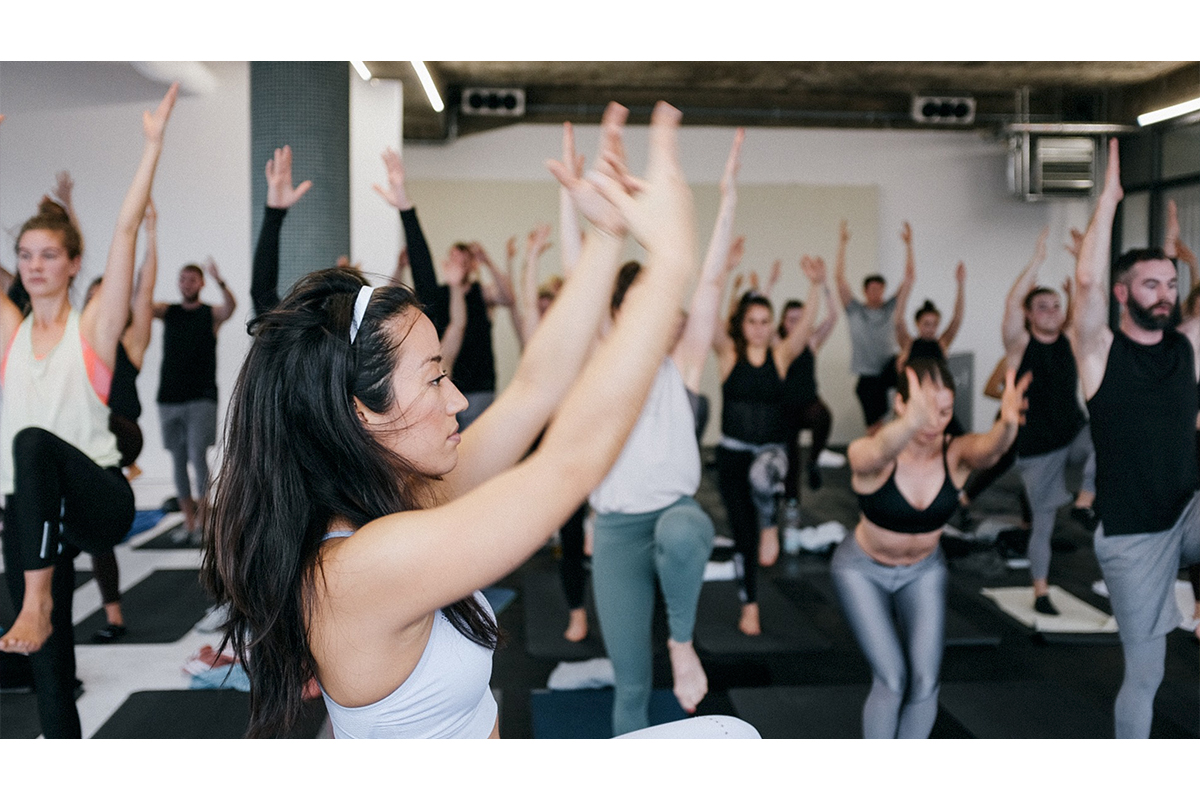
x: 570, y: 569
x: 816, y: 417
x: 63, y: 503
x: 733, y: 481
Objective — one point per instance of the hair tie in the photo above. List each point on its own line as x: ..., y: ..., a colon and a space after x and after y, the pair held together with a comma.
x: 360, y: 308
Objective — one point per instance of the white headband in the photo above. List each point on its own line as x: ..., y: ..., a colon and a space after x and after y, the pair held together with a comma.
x: 360, y: 308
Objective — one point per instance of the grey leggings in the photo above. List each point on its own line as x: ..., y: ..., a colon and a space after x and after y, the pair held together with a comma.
x: 898, y: 616
x: 630, y: 551
x: 1045, y: 485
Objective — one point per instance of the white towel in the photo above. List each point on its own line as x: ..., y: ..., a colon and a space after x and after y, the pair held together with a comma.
x: 595, y: 673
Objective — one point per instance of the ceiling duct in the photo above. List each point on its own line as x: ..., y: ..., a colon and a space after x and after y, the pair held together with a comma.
x: 480, y: 101
x: 1041, y: 166
x: 943, y: 110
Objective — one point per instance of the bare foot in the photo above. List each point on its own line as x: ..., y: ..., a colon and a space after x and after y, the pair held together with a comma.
x: 577, y: 627
x: 768, y: 546
x: 29, y: 630
x: 749, y: 623
x: 691, y: 684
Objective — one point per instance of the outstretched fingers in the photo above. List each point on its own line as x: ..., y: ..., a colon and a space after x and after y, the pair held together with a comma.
x: 155, y: 123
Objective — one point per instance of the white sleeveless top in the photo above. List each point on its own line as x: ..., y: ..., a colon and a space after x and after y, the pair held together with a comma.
x: 446, y: 696
x: 53, y: 393
x: 660, y: 462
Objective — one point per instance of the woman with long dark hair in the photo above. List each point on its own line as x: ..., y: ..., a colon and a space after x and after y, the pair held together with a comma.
x: 59, y: 462
x: 753, y: 430
x: 352, y: 525
x: 890, y: 575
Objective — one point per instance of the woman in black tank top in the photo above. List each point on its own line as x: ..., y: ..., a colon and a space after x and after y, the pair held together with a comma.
x: 890, y: 575
x: 753, y: 430
x: 927, y: 343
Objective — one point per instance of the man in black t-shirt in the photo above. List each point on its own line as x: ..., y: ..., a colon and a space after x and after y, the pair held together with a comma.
x: 1139, y: 381
x: 187, y: 389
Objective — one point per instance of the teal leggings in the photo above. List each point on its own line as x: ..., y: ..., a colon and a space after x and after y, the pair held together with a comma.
x: 630, y: 550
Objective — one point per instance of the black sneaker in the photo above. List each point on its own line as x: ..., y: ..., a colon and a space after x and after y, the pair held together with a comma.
x: 1042, y: 605
x: 1086, y: 517
x: 109, y: 633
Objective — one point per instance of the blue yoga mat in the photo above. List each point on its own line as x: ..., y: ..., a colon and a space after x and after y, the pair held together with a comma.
x: 587, y: 713
x: 144, y: 520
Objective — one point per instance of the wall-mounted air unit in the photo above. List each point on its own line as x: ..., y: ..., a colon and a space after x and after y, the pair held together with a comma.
x: 1041, y: 166
x: 493, y: 102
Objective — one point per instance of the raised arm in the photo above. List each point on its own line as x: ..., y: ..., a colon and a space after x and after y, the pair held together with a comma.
x: 1174, y: 247
x: 500, y: 291
x: 137, y: 336
x: 797, y: 339
x: 1091, y: 336
x: 102, y: 323
x: 281, y: 195
x: 722, y: 342
x: 228, y: 301
x: 558, y: 348
x: 1012, y: 327
x: 525, y: 310
x: 447, y: 551
x: 910, y: 261
x: 569, y: 234
x: 871, y: 455
x: 845, y: 293
x: 772, y: 278
x: 822, y: 331
x: 899, y: 314
x: 452, y: 337
x: 981, y: 450
x: 425, y: 282
x: 703, y: 319
x: 64, y: 191
x: 960, y: 301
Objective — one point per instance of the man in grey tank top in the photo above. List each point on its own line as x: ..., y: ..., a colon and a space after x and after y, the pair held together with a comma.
x: 872, y: 335
x: 1146, y: 472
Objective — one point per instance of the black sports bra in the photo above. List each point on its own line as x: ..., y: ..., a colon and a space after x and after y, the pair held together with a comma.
x: 888, y: 509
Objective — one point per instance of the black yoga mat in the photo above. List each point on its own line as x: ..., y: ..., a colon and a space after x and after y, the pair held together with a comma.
x: 546, y: 619
x: 802, y: 712
x: 587, y: 713
x: 165, y: 541
x: 196, y: 714
x: 1024, y: 710
x: 784, y: 628
x: 160, y: 608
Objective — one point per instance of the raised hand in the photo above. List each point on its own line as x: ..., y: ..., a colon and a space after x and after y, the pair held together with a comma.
x: 922, y: 407
x: 150, y: 218
x: 1171, y: 239
x: 537, y: 242
x: 906, y: 233
x: 1112, y: 190
x: 960, y: 273
x: 737, y: 248
x: 154, y: 123
x: 1013, y: 402
x: 732, y: 165
x: 210, y: 267
x: 62, y: 187
x: 395, y: 193
x: 773, y: 275
x: 1076, y: 240
x: 587, y: 198
x: 456, y: 271
x: 510, y: 248
x: 814, y: 269
x: 280, y: 191
x: 844, y: 233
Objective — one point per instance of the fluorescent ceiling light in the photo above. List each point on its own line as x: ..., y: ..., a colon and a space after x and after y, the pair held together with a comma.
x: 1177, y: 110
x: 361, y: 68
x: 427, y: 83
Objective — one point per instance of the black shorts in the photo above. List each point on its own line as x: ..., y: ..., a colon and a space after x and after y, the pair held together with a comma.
x: 872, y: 391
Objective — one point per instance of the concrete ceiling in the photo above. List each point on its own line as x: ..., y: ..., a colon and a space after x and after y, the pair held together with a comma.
x: 848, y: 94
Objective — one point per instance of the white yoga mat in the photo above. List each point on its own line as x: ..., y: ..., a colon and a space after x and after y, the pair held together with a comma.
x: 1074, y: 615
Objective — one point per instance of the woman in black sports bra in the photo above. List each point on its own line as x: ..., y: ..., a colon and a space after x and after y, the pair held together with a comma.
x: 890, y: 575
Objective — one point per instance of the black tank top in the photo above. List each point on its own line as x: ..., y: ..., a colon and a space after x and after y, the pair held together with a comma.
x: 801, y: 380
x: 889, y: 509
x: 123, y: 397
x: 752, y: 403
x: 926, y: 348
x: 1054, y: 416
x: 1144, y: 430
x: 189, y: 358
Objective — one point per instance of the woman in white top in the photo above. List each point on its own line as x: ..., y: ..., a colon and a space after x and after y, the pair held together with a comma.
x: 58, y: 460
x: 342, y: 421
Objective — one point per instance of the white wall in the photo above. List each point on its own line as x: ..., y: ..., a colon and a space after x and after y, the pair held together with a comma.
x: 951, y: 186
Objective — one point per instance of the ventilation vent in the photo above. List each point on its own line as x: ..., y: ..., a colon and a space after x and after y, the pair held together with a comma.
x: 493, y: 102
x: 1052, y: 166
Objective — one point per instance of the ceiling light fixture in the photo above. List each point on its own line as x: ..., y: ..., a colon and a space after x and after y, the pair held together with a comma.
x: 361, y: 68
x: 427, y: 84
x: 1177, y: 110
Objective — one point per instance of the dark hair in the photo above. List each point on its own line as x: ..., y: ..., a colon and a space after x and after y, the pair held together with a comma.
x: 934, y: 369
x: 926, y: 308
x: 739, y: 315
x: 625, y: 278
x: 295, y: 458
x: 193, y: 268
x: 51, y: 216
x: 1130, y: 258
x: 1035, y: 292
x: 788, y: 306
x: 874, y: 277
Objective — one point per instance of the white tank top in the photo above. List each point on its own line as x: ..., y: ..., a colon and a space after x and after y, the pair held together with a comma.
x: 53, y: 393
x: 660, y: 462
x: 446, y: 696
